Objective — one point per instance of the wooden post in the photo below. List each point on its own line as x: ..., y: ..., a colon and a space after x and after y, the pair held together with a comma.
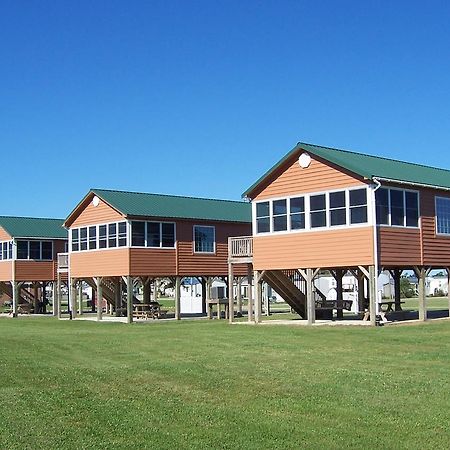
x: 339, y: 293
x: 239, y: 296
x: 205, y: 307
x: 265, y: 295
x: 361, y: 294
x: 55, y: 297
x: 396, y: 275
x: 310, y: 303
x: 118, y: 295
x: 98, y: 282
x: 250, y: 293
x: 372, y: 295
x: 258, y: 297
x: 155, y: 290
x: 58, y: 296
x: 129, y: 299
x: 73, y: 298
x: 177, y: 298
x: 146, y: 290
x: 230, y: 293
x: 422, y: 294
x: 36, y: 302
x: 15, y: 299
x: 80, y: 297
x: 208, y: 297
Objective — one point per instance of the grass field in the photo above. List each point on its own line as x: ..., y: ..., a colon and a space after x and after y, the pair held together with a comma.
x: 210, y: 385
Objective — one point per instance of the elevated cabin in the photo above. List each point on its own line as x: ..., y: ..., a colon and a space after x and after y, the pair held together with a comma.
x: 28, y: 259
x: 321, y: 208
x: 118, y: 239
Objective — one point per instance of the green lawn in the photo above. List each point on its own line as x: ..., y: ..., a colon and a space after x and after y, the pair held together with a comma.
x: 210, y: 385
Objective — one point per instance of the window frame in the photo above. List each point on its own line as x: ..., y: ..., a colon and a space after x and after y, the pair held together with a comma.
x: 214, y: 240
x: 40, y: 242
x: 436, y: 198
x: 307, y: 211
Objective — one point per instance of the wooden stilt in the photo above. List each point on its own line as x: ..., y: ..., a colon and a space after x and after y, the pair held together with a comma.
x: 36, y: 301
x: 250, y: 293
x: 230, y: 293
x: 177, y: 298
x: 208, y: 297
x: 80, y: 297
x: 73, y: 298
x: 118, y: 295
x: 239, y: 296
x: 58, y: 296
x: 15, y: 299
x: 310, y: 303
x: 130, y: 296
x: 339, y: 293
x: 421, y: 274
x: 372, y: 295
x: 99, y: 284
x: 361, y: 293
x: 258, y: 297
x: 155, y: 290
x: 55, y: 298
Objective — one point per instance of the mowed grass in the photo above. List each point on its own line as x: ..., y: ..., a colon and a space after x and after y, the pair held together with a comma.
x: 210, y: 385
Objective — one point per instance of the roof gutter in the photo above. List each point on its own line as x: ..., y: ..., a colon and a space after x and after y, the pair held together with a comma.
x: 409, y: 183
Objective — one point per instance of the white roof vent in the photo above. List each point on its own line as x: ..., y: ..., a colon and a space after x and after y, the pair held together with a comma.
x: 304, y: 160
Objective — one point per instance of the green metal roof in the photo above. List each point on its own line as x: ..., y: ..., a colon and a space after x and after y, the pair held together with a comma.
x: 138, y: 204
x: 369, y: 167
x: 33, y: 227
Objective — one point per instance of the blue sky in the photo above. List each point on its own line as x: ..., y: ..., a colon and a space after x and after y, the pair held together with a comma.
x: 202, y: 97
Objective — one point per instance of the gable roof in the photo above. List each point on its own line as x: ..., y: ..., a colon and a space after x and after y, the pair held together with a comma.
x: 140, y: 204
x: 33, y: 227
x: 367, y: 166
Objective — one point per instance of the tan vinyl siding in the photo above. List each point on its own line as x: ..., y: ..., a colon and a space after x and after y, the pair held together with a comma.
x: 332, y: 248
x: 102, y: 213
x: 399, y: 246
x: 5, y: 270
x: 34, y: 270
x: 191, y: 263
x: 318, y: 177
x: 152, y: 262
x: 114, y: 262
x: 4, y: 236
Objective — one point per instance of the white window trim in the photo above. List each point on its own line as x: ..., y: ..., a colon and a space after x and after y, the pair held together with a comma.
x: 436, y: 197
x: 214, y: 242
x: 9, y: 250
x: 404, y: 209
x: 306, y: 196
x: 28, y: 250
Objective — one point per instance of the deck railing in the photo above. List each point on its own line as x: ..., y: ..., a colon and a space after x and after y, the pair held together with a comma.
x: 240, y: 247
x: 63, y: 261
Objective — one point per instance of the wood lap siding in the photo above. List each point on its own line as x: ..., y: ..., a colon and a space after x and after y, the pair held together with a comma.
x: 34, y: 270
x: 4, y: 236
x: 5, y: 270
x: 190, y: 263
x: 99, y: 263
x: 399, y: 246
x: 152, y: 261
x: 436, y: 249
x: 315, y: 178
x: 102, y: 213
x: 333, y: 248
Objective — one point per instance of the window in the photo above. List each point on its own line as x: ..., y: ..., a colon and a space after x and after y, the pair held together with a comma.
x: 138, y: 234
x: 412, y: 209
x: 338, y: 210
x: 102, y: 241
x: 47, y: 250
x: 83, y: 238
x: 443, y: 215
x: 92, y: 238
x: 22, y: 249
x: 358, y: 206
x: 75, y: 240
x: 318, y: 211
x: 122, y: 237
x: 297, y: 213
x: 204, y: 239
x: 37, y: 250
x: 279, y: 215
x: 5, y: 250
x: 397, y: 207
x: 153, y: 234
x: 168, y: 235
x: 10, y: 250
x: 262, y: 217
x: 112, y: 235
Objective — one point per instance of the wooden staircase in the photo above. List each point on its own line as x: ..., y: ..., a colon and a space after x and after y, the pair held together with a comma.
x: 25, y: 296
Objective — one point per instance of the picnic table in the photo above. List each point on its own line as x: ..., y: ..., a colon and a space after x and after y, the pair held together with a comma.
x: 333, y: 304
x: 389, y: 305
x: 217, y: 302
x: 150, y: 310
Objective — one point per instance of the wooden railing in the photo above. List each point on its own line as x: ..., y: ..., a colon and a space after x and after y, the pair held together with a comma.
x: 240, y: 247
x: 63, y: 261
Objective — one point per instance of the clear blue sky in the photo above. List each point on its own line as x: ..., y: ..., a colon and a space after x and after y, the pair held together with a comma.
x: 201, y: 97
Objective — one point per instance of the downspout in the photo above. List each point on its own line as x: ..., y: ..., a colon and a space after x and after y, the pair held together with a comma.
x: 375, y: 239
